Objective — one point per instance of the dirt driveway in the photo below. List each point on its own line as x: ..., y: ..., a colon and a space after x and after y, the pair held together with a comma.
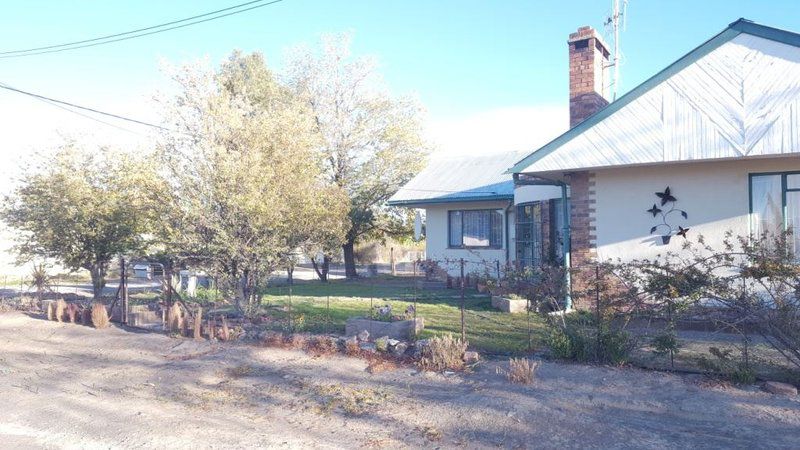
x: 69, y: 386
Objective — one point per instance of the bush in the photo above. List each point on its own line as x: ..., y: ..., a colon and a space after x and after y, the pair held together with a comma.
x: 521, y: 370
x: 100, y: 316
x: 582, y: 344
x: 443, y: 353
x: 86, y: 316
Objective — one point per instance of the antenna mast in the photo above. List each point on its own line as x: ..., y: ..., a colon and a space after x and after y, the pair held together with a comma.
x: 613, y: 21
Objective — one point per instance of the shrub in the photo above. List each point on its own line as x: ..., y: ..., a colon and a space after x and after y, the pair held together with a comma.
x: 521, y: 370
x: 577, y: 343
x: 443, y: 353
x: 61, y: 308
x: 568, y: 344
x: 297, y: 341
x: 100, y: 316
x: 86, y: 316
x: 725, y: 365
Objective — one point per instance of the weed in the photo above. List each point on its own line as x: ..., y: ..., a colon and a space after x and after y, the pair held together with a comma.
x: 72, y: 312
x: 443, y: 353
x: 352, y: 401
x: 351, y: 348
x: 520, y: 370
x: 51, y: 311
x: 431, y: 433
x: 729, y: 368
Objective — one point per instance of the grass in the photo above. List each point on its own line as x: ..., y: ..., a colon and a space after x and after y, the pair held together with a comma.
x: 488, y: 330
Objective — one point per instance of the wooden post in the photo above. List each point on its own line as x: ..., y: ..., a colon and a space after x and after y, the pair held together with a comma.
x: 391, y: 261
x: 123, y: 288
x: 198, y: 323
x: 463, y: 323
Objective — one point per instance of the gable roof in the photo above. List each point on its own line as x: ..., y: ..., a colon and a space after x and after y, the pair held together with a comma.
x: 479, y: 178
x: 679, y: 113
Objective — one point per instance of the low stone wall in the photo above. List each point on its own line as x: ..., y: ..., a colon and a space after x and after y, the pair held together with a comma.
x: 509, y: 305
x: 403, y: 330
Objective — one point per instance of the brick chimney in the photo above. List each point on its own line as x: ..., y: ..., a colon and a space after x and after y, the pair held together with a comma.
x: 588, y: 74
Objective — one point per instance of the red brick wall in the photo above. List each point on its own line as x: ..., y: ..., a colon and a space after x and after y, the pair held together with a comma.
x: 588, y: 74
x: 583, y: 232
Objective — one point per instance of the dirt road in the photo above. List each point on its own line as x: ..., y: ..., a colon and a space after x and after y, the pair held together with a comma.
x: 69, y: 386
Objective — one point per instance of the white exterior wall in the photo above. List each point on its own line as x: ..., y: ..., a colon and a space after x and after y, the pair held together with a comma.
x: 436, y: 239
x: 714, y: 194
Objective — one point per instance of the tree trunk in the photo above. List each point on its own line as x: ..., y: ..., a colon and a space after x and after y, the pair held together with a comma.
x: 98, y: 274
x: 349, y: 259
x: 290, y: 273
x: 322, y: 269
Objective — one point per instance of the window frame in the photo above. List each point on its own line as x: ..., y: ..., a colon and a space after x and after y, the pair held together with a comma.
x: 498, y: 246
x: 784, y: 189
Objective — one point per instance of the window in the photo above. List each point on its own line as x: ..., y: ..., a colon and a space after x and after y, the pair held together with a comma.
x: 540, y: 233
x: 775, y: 205
x: 475, y: 228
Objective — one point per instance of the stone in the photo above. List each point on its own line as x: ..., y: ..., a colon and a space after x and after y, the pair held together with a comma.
x: 509, y: 305
x: 392, y: 342
x: 419, y: 346
x: 471, y: 357
x: 778, y: 388
x: 367, y: 347
x: 399, y: 349
x: 382, y: 344
x: 363, y: 336
x: 400, y: 330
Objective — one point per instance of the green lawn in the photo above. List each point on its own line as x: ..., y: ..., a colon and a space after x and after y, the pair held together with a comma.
x: 324, y: 307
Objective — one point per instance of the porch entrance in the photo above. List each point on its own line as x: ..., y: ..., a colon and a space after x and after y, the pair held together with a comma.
x: 540, y: 233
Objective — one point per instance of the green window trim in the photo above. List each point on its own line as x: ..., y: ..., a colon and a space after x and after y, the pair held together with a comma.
x: 784, y: 189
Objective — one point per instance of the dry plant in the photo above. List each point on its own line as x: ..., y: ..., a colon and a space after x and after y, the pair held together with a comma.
x: 61, y: 308
x: 239, y: 371
x: 380, y: 364
x: 443, y: 353
x: 51, y: 311
x: 297, y: 341
x: 272, y: 339
x: 72, y: 312
x: 351, y: 348
x: 520, y: 370
x: 322, y: 346
x: 100, y: 316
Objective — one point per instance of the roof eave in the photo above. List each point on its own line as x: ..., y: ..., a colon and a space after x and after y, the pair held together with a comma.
x: 432, y: 201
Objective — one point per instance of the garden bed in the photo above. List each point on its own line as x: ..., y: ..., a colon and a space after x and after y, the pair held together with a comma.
x: 401, y: 329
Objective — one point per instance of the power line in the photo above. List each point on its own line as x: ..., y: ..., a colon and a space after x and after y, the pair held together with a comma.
x: 96, y: 111
x: 173, y: 25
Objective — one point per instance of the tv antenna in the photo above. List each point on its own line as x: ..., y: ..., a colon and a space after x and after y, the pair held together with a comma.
x: 615, y: 21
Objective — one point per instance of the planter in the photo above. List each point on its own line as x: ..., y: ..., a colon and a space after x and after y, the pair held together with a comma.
x: 509, y: 305
x: 401, y: 330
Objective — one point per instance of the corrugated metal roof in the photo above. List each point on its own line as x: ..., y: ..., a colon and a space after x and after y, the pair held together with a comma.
x: 736, y: 95
x: 460, y: 179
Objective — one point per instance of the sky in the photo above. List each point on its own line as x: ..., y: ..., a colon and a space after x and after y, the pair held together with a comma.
x: 492, y: 75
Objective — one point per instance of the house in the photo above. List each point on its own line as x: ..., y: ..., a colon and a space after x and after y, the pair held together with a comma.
x: 468, y: 205
x: 709, y: 144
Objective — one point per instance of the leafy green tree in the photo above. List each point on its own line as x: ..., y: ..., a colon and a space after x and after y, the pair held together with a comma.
x: 82, y: 208
x: 245, y: 174
x: 371, y: 143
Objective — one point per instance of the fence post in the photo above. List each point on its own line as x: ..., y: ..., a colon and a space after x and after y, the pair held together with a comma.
x: 391, y: 261
x: 497, y: 264
x: 463, y: 324
x: 415, y: 288
x: 291, y: 312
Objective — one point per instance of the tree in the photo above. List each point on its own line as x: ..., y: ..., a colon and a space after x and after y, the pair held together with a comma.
x: 246, y: 178
x: 371, y: 143
x: 83, y: 207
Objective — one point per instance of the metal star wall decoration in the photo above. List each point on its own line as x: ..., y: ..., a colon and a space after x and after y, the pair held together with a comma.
x: 667, y: 207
